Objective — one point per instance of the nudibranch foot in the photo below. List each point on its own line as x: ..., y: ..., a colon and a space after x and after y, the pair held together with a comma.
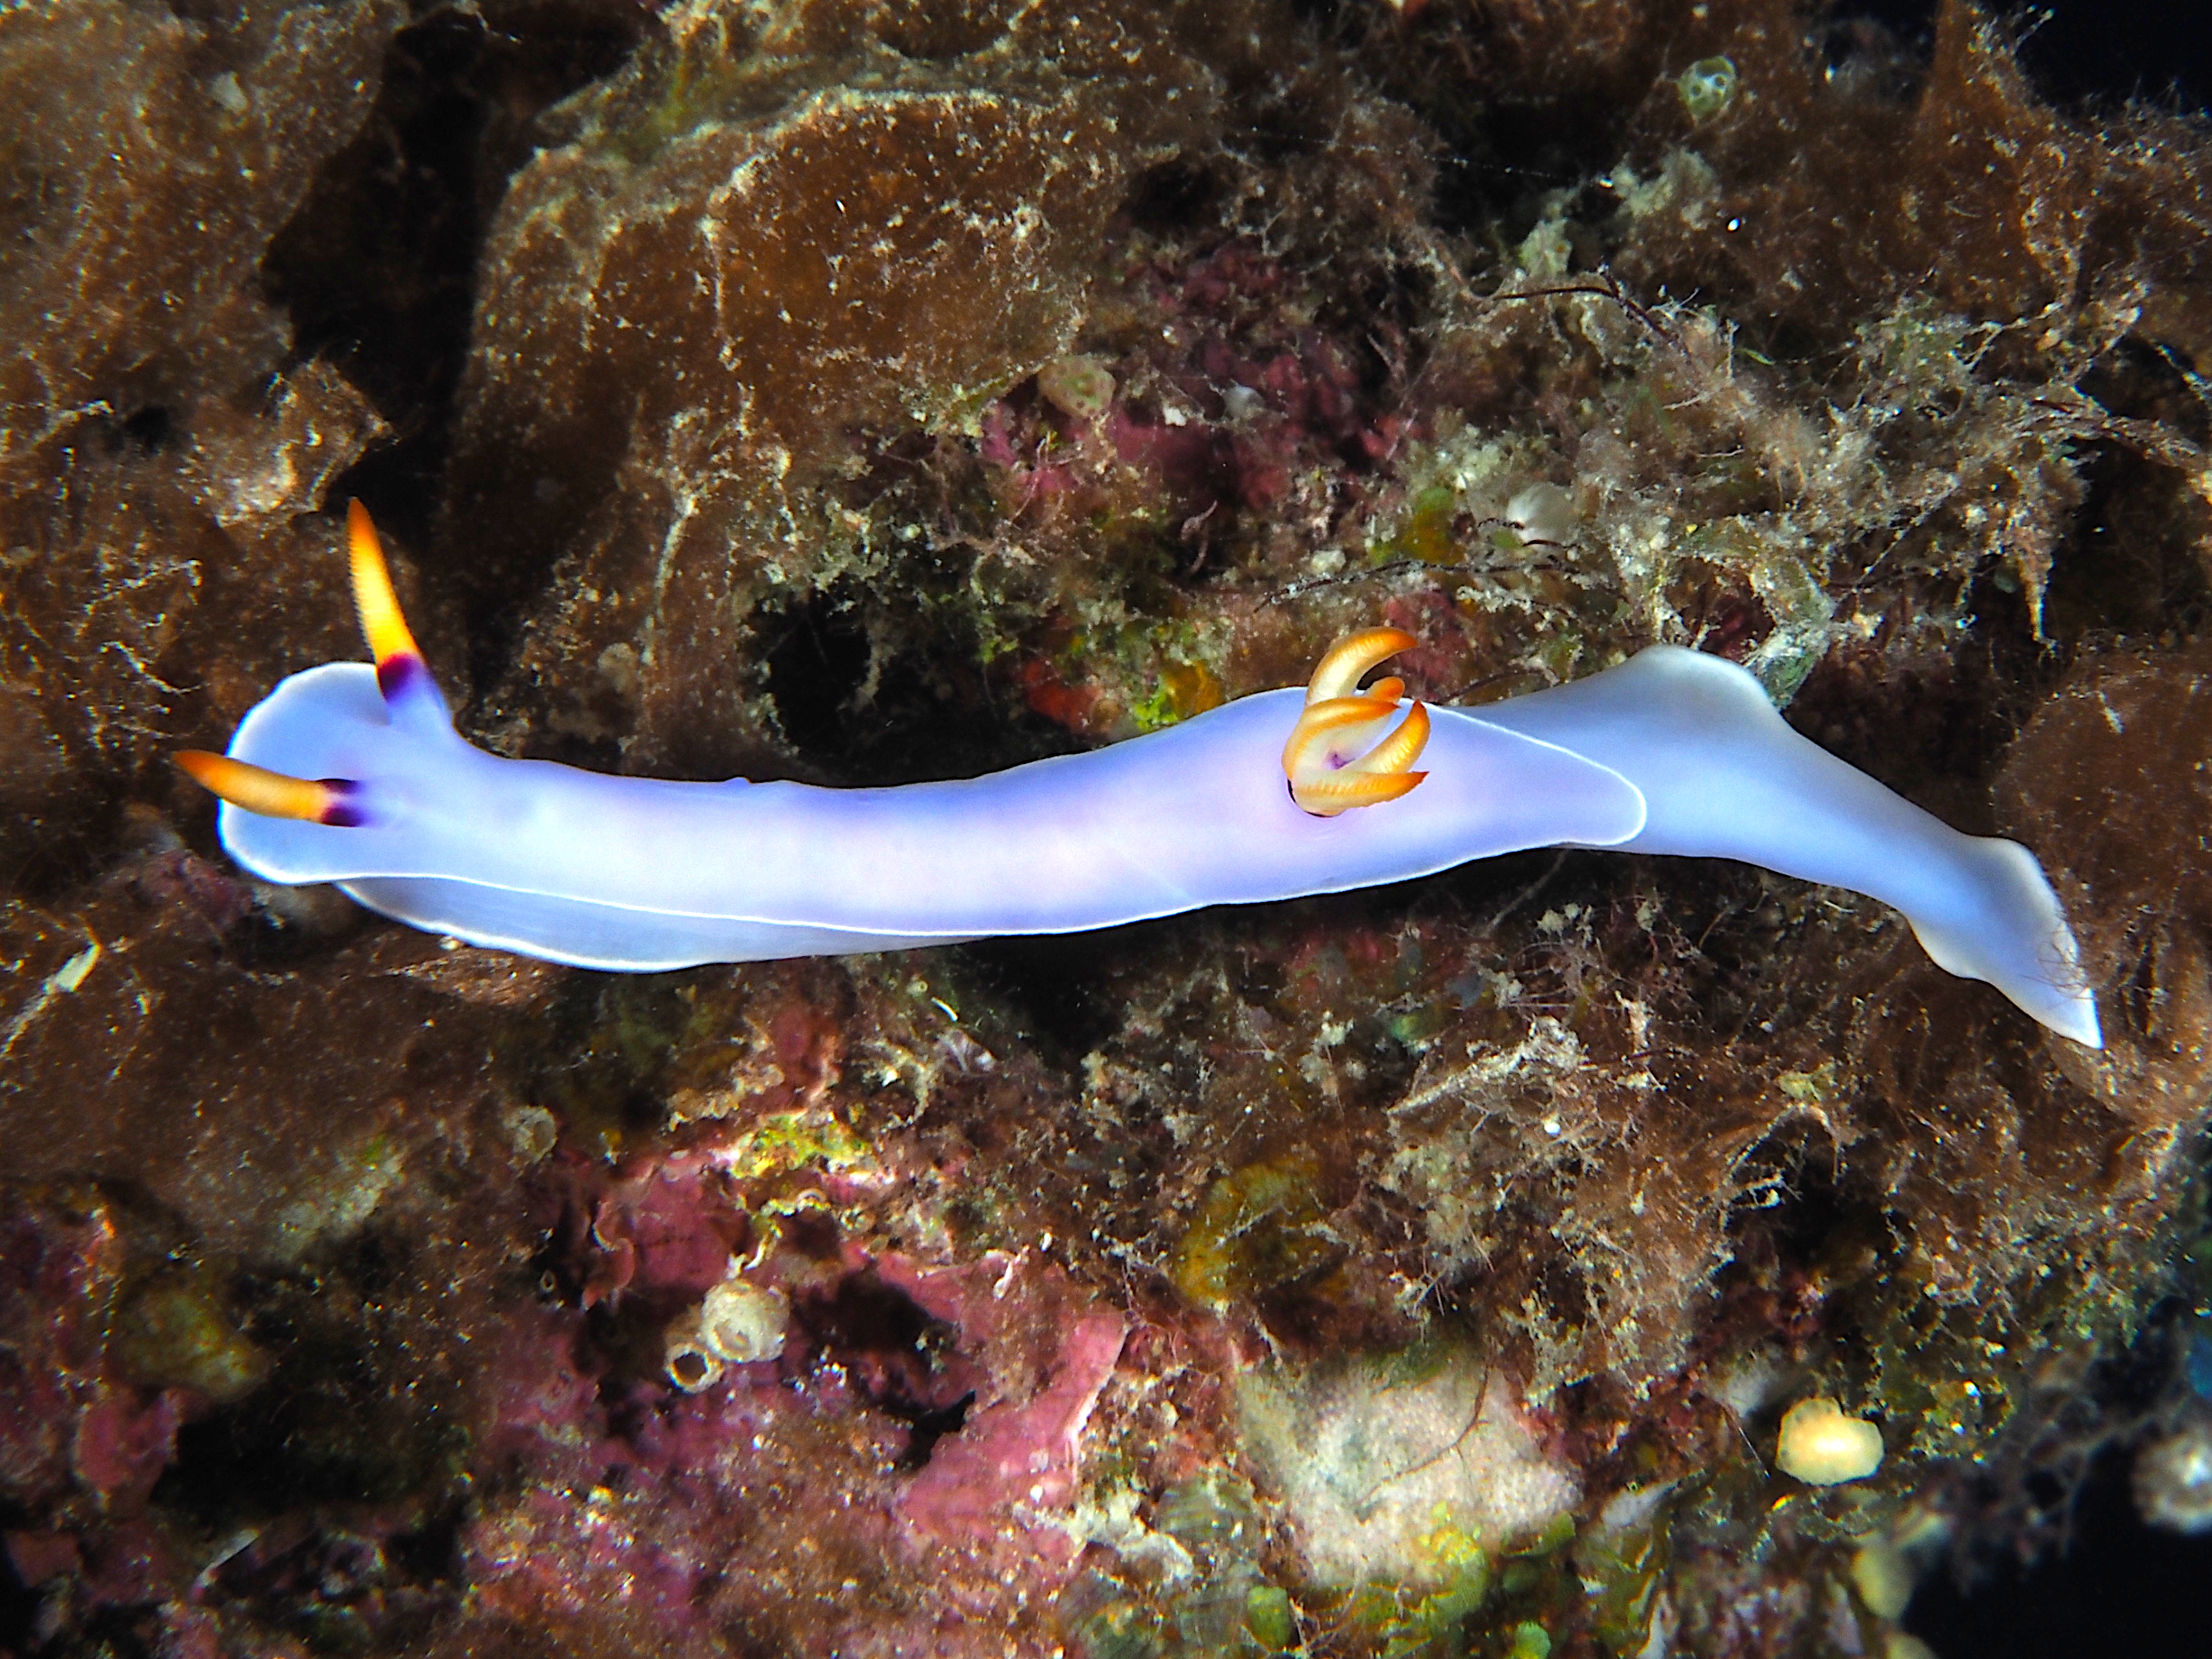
x: 1333, y: 759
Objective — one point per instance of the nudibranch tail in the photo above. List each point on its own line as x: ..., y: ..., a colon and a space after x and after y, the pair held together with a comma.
x: 1333, y: 759
x: 256, y: 789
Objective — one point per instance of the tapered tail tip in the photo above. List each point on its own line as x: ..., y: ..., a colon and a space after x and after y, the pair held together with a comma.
x: 2077, y: 1019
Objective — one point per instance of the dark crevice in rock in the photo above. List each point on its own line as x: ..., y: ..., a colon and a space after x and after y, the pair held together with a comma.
x: 1051, y: 989
x: 2134, y: 565
x: 1172, y: 197
x: 147, y: 429
x: 862, y: 702
x: 19, y: 1603
x: 900, y: 1357
x: 377, y: 268
x: 925, y: 1428
x: 2115, y: 1587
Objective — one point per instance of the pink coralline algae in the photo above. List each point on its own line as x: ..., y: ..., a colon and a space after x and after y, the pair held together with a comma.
x: 1046, y: 1357
x: 936, y: 1412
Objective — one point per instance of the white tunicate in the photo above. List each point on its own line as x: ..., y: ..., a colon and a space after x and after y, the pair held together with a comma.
x: 741, y: 1323
x: 1884, y: 1578
x: 1241, y: 403
x: 687, y: 1360
x: 1541, y: 512
x: 734, y: 1324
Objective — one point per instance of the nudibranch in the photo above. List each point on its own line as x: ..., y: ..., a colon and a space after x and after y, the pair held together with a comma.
x: 354, y: 775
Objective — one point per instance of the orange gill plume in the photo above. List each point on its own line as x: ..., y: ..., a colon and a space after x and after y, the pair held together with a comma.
x: 1343, y: 752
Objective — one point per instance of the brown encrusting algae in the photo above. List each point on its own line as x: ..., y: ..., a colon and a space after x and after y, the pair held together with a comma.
x: 1569, y: 1254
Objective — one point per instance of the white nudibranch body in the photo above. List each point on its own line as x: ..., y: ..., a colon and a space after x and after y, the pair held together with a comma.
x: 1670, y: 752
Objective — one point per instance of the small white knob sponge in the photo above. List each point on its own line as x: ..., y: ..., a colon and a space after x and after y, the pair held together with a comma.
x: 1822, y: 1447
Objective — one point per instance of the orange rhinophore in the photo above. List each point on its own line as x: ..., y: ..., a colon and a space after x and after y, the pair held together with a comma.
x: 381, y: 622
x: 272, y: 794
x: 1333, y: 758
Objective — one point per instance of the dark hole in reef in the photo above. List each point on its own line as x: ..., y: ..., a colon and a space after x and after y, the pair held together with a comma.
x: 896, y: 1354
x: 2132, y: 564
x: 117, y: 1633
x: 146, y: 430
x: 267, y: 939
x: 1886, y: 46
x: 2117, y: 49
x: 19, y: 1603
x: 340, y: 1591
x: 2141, y: 380
x: 2122, y: 1587
x: 862, y: 1319
x: 1280, y: 131
x: 431, y: 1552
x: 376, y: 267
x: 1789, y: 1219
x: 1051, y: 985
x: 1933, y: 729
x: 1722, y: 614
x: 816, y: 664
x: 372, y: 1261
x: 1173, y: 196
x: 925, y: 1429
x: 901, y: 717
x: 320, y: 1430
x: 2110, y: 51
x: 1501, y: 154
x: 1910, y: 22
x: 1380, y: 327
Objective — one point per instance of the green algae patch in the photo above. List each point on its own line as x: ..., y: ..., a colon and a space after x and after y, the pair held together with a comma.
x: 790, y: 1141
x: 1259, y: 1227
x: 177, y: 1331
x: 1412, y: 1625
x: 1269, y: 1615
x: 1622, y: 1561
x: 1185, y: 689
x: 1426, y: 534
